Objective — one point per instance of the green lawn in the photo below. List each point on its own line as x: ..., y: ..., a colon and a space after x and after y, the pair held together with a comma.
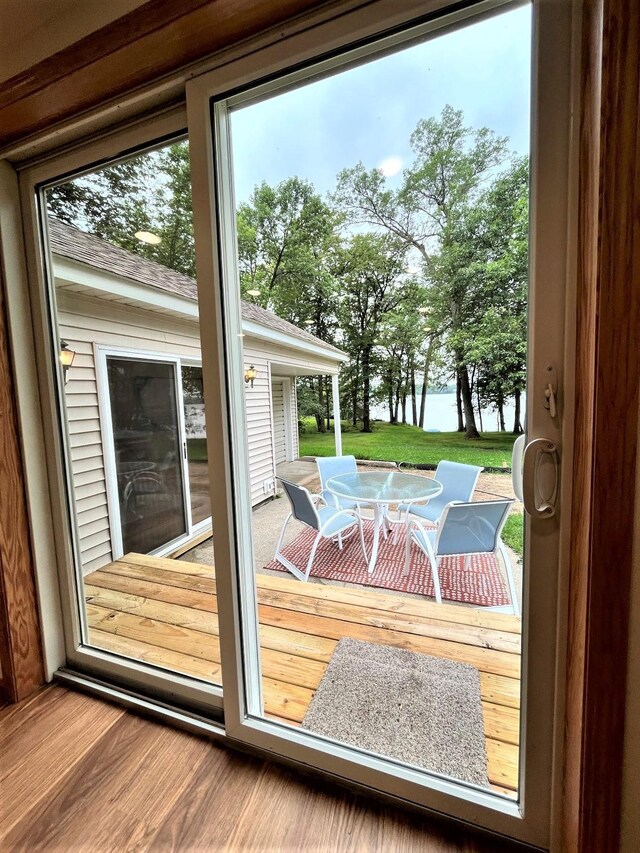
x: 403, y: 443
x: 512, y: 532
x: 197, y: 449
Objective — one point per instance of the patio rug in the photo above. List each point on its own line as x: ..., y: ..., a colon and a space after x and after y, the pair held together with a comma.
x: 418, y: 709
x: 482, y: 584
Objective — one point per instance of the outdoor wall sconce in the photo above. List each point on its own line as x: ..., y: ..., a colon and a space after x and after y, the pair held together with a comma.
x: 66, y: 357
x: 250, y: 374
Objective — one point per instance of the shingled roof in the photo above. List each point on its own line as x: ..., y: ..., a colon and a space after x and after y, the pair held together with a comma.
x: 70, y: 242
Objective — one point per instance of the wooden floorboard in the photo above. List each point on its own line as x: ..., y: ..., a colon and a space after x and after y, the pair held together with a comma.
x: 84, y: 775
x: 164, y: 612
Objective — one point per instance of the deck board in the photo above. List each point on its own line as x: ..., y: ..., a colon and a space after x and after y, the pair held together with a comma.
x: 164, y: 612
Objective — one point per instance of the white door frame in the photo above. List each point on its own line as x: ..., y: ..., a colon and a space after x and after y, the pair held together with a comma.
x: 102, y: 354
x: 286, y: 414
x: 541, y: 739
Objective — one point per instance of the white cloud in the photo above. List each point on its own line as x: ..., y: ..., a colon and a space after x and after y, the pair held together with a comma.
x: 390, y: 166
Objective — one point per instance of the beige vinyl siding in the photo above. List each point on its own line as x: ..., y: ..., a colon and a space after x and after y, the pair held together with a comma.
x: 83, y: 322
x: 293, y: 412
x: 257, y: 403
x: 279, y: 424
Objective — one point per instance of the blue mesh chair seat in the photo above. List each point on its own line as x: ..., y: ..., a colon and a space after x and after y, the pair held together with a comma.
x: 333, y: 466
x: 329, y: 522
x: 465, y: 529
x: 458, y: 483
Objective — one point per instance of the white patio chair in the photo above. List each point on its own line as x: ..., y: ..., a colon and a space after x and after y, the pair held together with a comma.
x: 458, y: 484
x: 329, y: 522
x: 333, y: 466
x: 465, y: 529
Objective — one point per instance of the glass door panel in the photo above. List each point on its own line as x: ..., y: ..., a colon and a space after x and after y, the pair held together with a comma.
x: 394, y: 239
x: 124, y: 303
x: 410, y: 248
x: 148, y: 453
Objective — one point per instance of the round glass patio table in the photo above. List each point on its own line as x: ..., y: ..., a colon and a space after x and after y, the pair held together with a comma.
x: 381, y: 489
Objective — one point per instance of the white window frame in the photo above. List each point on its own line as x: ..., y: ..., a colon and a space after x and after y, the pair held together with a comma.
x: 553, y: 98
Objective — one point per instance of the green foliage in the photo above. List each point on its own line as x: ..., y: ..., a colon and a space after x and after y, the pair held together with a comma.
x: 421, y: 284
x: 405, y: 443
x: 197, y: 449
x: 513, y: 532
x: 431, y: 213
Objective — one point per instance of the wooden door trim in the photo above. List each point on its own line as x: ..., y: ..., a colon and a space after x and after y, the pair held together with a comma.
x: 20, y: 641
x: 157, y: 39
x: 606, y: 430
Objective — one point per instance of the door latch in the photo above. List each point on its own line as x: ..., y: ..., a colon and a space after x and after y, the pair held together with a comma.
x: 551, y: 390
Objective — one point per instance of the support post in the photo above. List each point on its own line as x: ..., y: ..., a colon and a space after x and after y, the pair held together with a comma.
x: 337, y: 429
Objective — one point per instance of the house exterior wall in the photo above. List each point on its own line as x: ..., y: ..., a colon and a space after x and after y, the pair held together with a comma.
x: 293, y: 411
x: 280, y: 412
x: 84, y: 321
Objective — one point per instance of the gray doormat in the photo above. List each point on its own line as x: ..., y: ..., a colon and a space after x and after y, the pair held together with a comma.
x: 419, y: 709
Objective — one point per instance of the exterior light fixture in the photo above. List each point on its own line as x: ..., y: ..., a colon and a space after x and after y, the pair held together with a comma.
x: 309, y: 322
x: 250, y: 375
x: 66, y: 357
x: 253, y: 293
x: 148, y: 237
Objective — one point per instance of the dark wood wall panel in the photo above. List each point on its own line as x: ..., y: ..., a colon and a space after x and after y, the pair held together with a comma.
x: 20, y: 648
x: 608, y: 381
x: 155, y: 39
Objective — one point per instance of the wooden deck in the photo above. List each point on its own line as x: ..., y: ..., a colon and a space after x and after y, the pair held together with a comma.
x: 165, y: 612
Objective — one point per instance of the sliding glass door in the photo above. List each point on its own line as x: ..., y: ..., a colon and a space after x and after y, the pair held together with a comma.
x: 414, y: 223
x: 383, y: 199
x: 113, y: 276
x: 148, y: 453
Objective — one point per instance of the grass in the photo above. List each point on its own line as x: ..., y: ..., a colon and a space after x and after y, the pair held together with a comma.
x: 404, y: 443
x: 513, y: 532
x: 197, y: 449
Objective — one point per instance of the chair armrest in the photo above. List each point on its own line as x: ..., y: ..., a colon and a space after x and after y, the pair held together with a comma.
x: 328, y: 498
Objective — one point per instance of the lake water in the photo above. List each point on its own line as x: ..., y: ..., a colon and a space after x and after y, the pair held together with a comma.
x: 440, y: 414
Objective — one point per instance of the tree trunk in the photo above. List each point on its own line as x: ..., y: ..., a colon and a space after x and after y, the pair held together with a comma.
x: 392, y: 418
x: 414, y: 402
x: 500, y: 412
x: 354, y: 391
x: 404, y: 406
x: 425, y: 385
x: 517, y: 425
x: 479, y: 404
x: 319, y: 416
x: 459, y: 402
x: 397, y: 402
x: 366, y: 389
x: 328, y: 400
x: 467, y: 403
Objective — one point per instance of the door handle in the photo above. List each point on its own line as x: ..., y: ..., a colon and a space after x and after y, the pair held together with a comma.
x: 540, y: 478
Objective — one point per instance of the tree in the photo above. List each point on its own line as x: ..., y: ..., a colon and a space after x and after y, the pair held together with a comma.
x: 371, y: 286
x: 489, y: 251
x: 151, y: 192
x: 451, y: 163
x: 288, y: 250
x: 111, y: 203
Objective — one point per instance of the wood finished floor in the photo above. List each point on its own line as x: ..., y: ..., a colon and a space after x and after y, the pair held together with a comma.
x: 165, y: 612
x: 79, y: 774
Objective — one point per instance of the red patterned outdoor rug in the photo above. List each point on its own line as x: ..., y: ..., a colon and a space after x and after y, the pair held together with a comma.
x: 481, y: 584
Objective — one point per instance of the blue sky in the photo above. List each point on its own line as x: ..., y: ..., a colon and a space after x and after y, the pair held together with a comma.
x: 368, y: 113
